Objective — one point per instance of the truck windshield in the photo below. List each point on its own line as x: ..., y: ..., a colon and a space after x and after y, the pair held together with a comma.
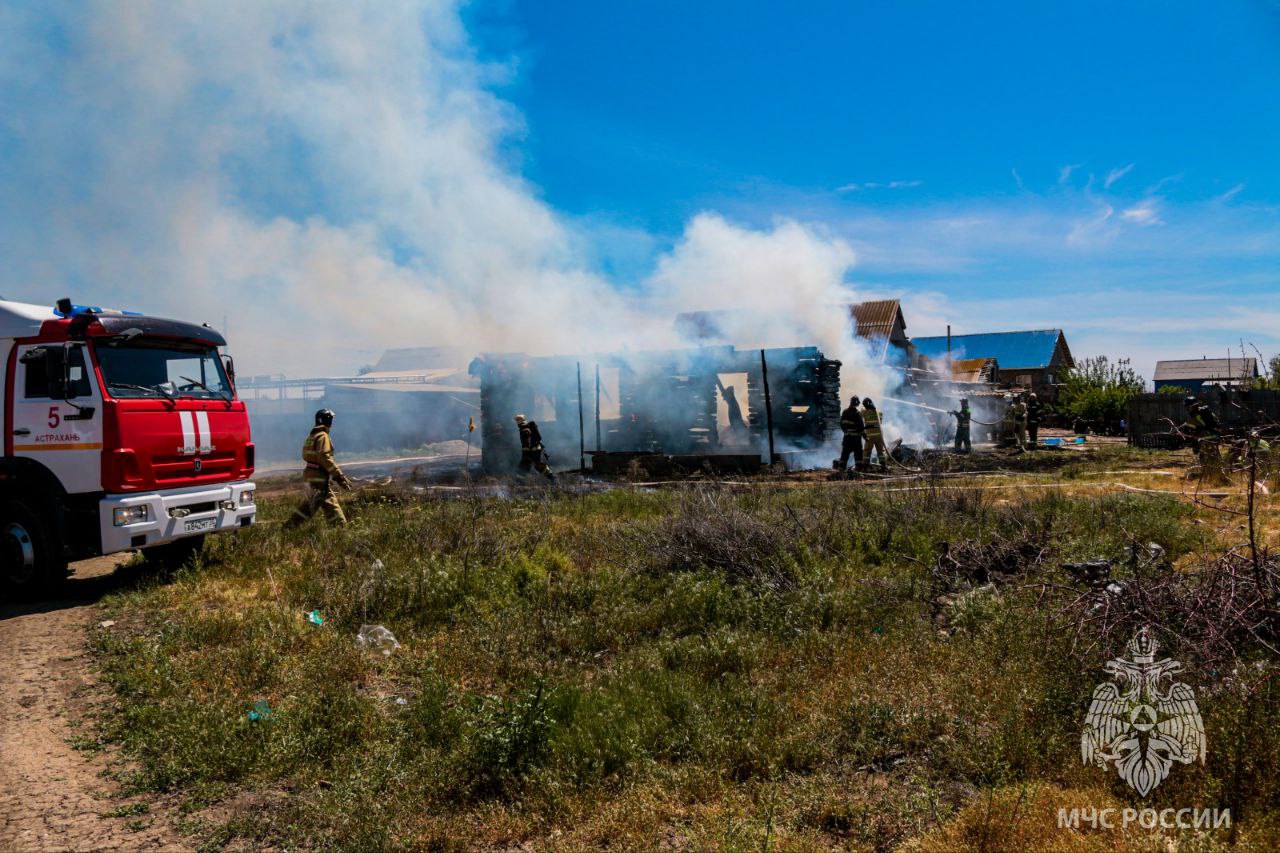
x: 152, y: 367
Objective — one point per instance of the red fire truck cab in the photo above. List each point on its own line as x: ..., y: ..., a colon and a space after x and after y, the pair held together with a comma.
x: 121, y: 432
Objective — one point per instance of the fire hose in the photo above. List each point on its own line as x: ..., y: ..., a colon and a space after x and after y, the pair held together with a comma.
x: 935, y: 409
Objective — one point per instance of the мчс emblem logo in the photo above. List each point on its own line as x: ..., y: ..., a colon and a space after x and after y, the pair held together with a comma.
x: 1142, y: 720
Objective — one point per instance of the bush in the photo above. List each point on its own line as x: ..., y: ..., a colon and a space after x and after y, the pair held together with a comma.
x: 1098, y: 391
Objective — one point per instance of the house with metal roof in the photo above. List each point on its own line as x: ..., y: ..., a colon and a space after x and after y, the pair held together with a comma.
x: 1194, y: 374
x: 1036, y: 359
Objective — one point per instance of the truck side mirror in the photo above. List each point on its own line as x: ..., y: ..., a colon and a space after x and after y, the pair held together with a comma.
x: 55, y: 365
x: 229, y: 364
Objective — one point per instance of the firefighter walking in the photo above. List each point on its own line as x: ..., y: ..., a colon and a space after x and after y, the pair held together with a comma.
x: 532, y: 453
x: 321, y: 472
x: 874, y: 440
x: 852, y: 425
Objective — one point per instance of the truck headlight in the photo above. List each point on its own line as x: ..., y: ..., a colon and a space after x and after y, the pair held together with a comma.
x: 123, y: 515
x: 246, y: 497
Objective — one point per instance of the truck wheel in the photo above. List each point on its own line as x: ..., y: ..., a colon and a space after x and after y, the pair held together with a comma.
x: 27, y: 563
x: 172, y: 556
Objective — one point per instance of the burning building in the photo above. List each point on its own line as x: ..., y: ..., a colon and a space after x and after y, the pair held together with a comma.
x: 718, y: 405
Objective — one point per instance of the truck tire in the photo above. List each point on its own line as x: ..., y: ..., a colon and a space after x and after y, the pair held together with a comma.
x: 172, y: 556
x: 28, y: 564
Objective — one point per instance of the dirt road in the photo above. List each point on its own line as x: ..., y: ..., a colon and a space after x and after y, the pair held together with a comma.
x: 52, y: 796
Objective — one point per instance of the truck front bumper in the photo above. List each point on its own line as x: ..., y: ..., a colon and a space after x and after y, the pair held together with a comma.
x: 174, y: 514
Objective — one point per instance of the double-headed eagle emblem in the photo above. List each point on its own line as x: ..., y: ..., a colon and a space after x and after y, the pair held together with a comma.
x: 1143, y: 720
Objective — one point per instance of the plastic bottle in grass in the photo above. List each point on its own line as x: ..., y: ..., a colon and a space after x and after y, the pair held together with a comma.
x: 377, y: 638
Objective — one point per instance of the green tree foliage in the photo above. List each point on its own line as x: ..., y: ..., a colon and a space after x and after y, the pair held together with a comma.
x: 1271, y: 375
x: 1097, y: 390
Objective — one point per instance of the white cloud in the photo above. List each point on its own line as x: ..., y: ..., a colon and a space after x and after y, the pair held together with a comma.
x: 1145, y: 213
x: 876, y: 185
x: 1115, y: 175
x: 1064, y: 174
x: 1093, y: 229
x: 1162, y: 183
x: 1232, y: 193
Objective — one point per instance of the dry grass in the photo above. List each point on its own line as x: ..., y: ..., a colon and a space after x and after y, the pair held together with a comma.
x: 673, y: 669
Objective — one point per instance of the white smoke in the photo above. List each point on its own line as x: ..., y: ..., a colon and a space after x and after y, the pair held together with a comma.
x: 334, y: 178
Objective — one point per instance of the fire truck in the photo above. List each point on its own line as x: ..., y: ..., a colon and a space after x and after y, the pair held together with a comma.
x: 121, y: 432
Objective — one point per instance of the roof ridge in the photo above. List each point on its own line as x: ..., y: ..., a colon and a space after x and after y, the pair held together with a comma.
x: 954, y: 335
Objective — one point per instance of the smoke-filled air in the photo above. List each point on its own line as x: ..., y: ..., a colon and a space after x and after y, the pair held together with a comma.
x: 332, y: 179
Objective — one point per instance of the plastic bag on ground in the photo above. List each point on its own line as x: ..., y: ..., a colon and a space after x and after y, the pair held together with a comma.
x: 377, y: 638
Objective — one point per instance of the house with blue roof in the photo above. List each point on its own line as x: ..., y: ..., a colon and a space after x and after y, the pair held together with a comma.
x: 1036, y: 360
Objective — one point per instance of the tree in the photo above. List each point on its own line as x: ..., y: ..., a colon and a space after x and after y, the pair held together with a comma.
x: 1270, y: 379
x: 1098, y: 391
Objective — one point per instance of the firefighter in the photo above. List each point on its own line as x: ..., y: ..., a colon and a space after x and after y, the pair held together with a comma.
x: 1034, y: 411
x: 1018, y: 412
x: 1201, y: 426
x: 853, y: 427
x: 963, y: 417
x: 874, y: 440
x: 320, y: 473
x: 532, y: 453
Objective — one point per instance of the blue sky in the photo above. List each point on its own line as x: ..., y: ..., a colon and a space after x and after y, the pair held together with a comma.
x: 560, y: 176
x: 660, y: 108
x: 972, y: 152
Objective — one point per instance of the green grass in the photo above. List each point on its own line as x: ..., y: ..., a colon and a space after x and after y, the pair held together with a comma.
x: 691, y: 667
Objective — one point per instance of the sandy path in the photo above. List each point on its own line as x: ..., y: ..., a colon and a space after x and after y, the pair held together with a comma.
x: 52, y: 797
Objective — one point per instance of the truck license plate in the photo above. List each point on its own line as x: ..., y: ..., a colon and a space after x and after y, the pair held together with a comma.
x: 200, y: 524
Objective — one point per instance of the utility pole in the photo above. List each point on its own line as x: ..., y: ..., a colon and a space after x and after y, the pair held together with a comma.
x: 582, y: 440
x: 768, y: 403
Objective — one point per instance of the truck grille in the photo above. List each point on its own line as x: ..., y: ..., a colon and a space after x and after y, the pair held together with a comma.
x: 213, y: 466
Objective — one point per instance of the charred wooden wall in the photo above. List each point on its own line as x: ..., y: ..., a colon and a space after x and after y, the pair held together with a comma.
x: 667, y: 401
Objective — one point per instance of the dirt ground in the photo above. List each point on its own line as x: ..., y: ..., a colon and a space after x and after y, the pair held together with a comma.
x: 53, y: 796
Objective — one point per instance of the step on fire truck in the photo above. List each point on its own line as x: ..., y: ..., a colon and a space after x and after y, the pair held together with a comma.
x: 121, y: 432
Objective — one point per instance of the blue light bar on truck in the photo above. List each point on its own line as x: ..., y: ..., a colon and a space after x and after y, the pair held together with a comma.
x: 66, y: 310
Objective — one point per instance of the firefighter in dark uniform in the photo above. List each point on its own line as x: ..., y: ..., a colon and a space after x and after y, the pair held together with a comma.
x: 852, y: 426
x: 1202, y: 426
x: 963, y: 418
x: 532, y: 454
x: 1034, y: 410
x: 874, y: 439
x: 321, y: 472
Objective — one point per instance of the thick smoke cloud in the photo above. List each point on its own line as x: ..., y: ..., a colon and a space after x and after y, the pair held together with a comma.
x: 331, y: 179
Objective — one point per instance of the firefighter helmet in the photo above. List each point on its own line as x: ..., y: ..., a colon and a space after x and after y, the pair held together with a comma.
x: 520, y: 419
x: 867, y: 404
x: 324, y: 417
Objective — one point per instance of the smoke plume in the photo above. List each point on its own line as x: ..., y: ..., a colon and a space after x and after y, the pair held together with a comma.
x: 331, y: 179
